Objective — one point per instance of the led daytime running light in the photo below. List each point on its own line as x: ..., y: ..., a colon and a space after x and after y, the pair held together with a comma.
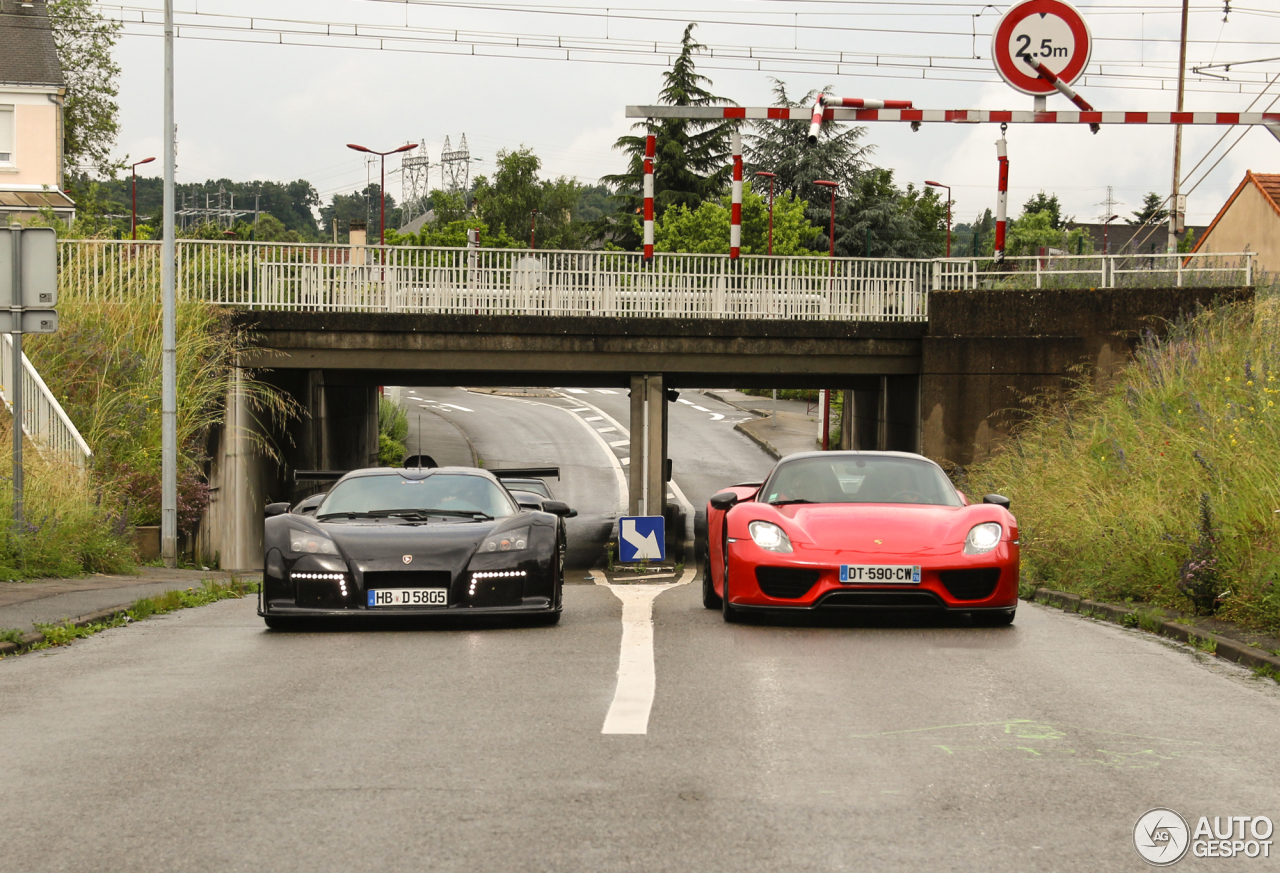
x: 495, y: 574
x: 335, y: 577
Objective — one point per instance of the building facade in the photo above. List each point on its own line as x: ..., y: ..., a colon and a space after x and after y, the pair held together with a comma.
x: 1249, y: 221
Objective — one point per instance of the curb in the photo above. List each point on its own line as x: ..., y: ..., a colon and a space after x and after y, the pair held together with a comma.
x: 705, y: 392
x: 758, y: 440
x: 35, y: 637
x: 1226, y: 648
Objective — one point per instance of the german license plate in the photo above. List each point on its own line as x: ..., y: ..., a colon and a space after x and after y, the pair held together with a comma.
x: 880, y: 574
x: 409, y: 597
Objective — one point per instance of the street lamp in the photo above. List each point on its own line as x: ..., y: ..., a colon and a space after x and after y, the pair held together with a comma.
x: 826, y: 397
x: 1106, y: 245
x: 533, y: 221
x: 382, y: 186
x: 948, y: 187
x: 134, y: 168
x: 770, y: 177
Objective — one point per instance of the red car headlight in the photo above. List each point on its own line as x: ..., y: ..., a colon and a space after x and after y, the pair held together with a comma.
x: 769, y: 536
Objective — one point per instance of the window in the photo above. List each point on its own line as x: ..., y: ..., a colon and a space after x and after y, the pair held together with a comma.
x: 6, y: 134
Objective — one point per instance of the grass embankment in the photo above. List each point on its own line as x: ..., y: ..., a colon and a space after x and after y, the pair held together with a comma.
x: 1163, y: 487
x: 210, y: 591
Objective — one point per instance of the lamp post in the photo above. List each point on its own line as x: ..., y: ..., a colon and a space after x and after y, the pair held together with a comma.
x: 826, y: 395
x: 1106, y: 245
x: 533, y: 222
x: 134, y: 168
x: 948, y: 187
x: 770, y: 177
x: 382, y: 186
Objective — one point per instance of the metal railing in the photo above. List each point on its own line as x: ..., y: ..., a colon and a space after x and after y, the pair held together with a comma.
x: 575, y: 283
x: 43, y: 419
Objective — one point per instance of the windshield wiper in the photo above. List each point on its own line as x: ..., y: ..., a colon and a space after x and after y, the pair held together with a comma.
x: 789, y: 502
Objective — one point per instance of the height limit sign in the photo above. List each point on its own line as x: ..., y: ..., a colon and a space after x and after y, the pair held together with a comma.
x: 1050, y: 31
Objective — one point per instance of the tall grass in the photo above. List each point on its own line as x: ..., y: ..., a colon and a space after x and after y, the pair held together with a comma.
x: 1163, y: 487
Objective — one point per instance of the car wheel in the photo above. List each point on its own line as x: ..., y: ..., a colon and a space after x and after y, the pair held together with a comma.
x: 710, y: 599
x: 730, y: 614
x: 280, y: 623
x: 993, y: 619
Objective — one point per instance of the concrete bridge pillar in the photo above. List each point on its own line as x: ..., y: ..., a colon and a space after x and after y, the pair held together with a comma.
x: 648, y: 426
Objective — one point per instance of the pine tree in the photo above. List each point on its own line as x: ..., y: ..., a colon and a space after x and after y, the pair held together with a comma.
x: 692, y: 161
x: 1152, y: 211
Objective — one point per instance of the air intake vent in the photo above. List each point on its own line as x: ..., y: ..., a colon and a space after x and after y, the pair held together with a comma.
x: 408, y: 579
x: 970, y: 584
x: 786, y: 583
x: 883, y: 599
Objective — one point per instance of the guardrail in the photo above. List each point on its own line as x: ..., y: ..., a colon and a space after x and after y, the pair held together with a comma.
x: 571, y: 283
x: 43, y: 419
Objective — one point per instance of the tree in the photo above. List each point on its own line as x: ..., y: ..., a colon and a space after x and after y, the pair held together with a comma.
x: 782, y: 147
x: 876, y: 219
x: 507, y: 203
x: 84, y: 38
x: 358, y: 206
x: 1034, y: 230
x: 692, y: 155
x: 1049, y: 205
x: 705, y: 230
x: 1152, y: 211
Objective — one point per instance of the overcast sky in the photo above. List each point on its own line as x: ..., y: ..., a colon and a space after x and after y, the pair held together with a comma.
x: 250, y: 107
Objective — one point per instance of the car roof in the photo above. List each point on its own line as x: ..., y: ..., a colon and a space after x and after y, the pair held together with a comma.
x: 415, y: 473
x: 857, y: 453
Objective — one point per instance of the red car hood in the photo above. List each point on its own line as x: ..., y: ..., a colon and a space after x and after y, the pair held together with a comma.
x: 881, y: 528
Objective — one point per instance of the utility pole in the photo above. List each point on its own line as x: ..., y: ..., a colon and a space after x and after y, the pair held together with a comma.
x: 1176, y: 210
x: 169, y: 338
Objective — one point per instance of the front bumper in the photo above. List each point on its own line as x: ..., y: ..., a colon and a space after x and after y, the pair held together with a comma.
x: 530, y: 606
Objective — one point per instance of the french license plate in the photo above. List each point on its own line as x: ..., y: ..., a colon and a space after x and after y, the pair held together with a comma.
x: 409, y: 597
x: 880, y: 574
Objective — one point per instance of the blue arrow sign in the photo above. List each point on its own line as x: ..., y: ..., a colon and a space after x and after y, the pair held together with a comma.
x: 641, y: 538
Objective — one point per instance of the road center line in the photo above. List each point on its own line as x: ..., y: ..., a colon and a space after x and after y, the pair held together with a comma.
x: 637, y: 675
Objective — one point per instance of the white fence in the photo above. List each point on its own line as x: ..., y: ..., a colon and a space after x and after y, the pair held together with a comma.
x: 43, y: 419
x: 576, y: 283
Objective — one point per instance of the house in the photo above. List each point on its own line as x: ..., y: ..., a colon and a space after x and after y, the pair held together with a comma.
x: 1249, y: 222
x: 1122, y: 238
x: 32, y: 89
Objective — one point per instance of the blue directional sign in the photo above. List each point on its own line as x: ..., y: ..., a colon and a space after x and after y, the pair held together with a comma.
x: 641, y: 538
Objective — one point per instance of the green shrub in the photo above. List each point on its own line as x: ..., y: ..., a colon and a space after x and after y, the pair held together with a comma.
x: 393, y: 429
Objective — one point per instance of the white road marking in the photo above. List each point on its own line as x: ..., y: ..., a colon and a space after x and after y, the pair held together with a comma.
x: 701, y: 409
x: 576, y: 390
x: 457, y: 407
x: 605, y: 391
x: 686, y: 402
x: 617, y: 443
x: 580, y: 409
x: 626, y: 462
x: 592, y: 417
x: 605, y: 429
x: 637, y: 675
x: 715, y: 416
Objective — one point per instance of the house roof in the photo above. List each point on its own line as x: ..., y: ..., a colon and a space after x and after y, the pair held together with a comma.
x: 1268, y: 185
x: 28, y: 55
x: 34, y: 201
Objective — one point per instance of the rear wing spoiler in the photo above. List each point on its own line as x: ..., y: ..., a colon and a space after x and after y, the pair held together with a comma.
x: 527, y: 473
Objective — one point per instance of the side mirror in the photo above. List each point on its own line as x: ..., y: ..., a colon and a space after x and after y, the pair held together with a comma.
x: 276, y: 509
x: 996, y: 500
x: 723, y: 500
x: 558, y: 507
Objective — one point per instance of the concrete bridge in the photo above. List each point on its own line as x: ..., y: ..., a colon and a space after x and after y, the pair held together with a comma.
x: 936, y: 356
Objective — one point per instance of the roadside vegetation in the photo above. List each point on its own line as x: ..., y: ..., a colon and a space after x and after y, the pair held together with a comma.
x: 393, y: 430
x: 1161, y: 487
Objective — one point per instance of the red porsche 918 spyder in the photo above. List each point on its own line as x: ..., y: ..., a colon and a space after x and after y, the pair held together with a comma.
x: 881, y: 530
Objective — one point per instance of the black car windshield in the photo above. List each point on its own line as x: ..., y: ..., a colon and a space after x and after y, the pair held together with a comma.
x: 859, y: 479
x: 535, y: 486
x: 457, y: 494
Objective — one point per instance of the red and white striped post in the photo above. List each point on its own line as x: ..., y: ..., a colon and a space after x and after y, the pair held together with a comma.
x: 650, y: 145
x: 1002, y: 198
x: 735, y: 210
x: 820, y: 109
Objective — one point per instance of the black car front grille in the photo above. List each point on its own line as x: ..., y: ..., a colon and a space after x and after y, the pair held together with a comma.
x: 786, y: 583
x: 408, y: 579
x: 977, y: 584
x: 883, y: 599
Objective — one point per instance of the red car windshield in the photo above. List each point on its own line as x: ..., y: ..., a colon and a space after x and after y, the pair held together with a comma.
x: 859, y: 479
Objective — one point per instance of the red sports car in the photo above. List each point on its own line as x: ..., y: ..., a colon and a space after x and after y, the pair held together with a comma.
x: 881, y: 530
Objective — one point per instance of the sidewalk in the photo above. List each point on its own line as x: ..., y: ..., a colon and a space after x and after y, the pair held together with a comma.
x: 793, y: 430
x: 23, y: 604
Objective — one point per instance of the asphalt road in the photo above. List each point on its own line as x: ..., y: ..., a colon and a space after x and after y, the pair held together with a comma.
x: 201, y: 741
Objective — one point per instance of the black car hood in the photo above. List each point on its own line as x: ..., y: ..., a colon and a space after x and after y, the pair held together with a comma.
x: 384, y: 545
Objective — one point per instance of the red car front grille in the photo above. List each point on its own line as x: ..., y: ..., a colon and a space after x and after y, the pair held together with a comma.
x: 786, y: 583
x: 976, y: 584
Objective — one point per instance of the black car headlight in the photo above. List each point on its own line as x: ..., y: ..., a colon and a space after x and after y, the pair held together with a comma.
x: 307, y: 542
x: 507, y: 541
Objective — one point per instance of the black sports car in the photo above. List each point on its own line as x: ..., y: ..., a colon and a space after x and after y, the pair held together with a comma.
x: 384, y: 541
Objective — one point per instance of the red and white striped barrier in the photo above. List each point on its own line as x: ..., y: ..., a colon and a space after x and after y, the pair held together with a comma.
x: 1002, y: 197
x: 825, y: 102
x: 1063, y: 88
x: 735, y: 210
x: 650, y: 144
x: 955, y: 116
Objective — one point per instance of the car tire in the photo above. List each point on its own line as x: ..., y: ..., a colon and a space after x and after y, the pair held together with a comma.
x: 280, y: 623
x: 730, y: 615
x: 710, y: 599
x: 994, y: 619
